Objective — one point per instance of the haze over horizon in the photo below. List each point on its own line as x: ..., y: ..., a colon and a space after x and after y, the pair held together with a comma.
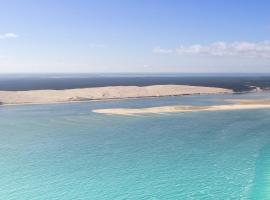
x: 152, y: 36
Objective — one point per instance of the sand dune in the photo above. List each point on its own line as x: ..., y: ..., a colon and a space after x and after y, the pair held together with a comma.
x: 102, y: 93
x: 240, y: 105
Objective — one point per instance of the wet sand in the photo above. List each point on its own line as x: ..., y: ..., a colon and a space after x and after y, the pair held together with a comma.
x: 239, y: 105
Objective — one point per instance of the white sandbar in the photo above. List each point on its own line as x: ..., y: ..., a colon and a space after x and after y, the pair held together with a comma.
x: 102, y: 93
x: 240, y: 105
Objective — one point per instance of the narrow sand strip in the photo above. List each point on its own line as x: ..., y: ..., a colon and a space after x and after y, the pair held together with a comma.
x: 102, y: 93
x: 178, y: 108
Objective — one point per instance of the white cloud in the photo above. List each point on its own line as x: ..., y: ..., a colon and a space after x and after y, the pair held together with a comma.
x: 146, y: 65
x: 159, y: 50
x: 236, y: 49
x: 8, y: 35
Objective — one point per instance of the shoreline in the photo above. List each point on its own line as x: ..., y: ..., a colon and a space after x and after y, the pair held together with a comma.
x: 238, y: 105
x: 113, y: 99
x: 36, y: 97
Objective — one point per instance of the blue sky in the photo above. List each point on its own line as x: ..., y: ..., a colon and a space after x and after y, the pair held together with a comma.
x: 134, y: 36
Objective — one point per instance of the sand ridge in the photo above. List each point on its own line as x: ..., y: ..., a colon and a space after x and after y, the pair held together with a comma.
x: 102, y: 93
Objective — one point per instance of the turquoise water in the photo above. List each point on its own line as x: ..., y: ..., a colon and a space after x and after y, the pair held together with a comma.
x: 67, y: 152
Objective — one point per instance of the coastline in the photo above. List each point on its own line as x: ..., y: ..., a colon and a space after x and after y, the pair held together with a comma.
x: 238, y: 105
x: 8, y: 98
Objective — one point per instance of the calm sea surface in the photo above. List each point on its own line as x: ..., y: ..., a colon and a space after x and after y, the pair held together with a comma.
x: 236, y: 82
x: 65, y: 151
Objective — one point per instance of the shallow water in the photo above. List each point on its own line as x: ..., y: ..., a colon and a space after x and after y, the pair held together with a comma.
x: 67, y: 152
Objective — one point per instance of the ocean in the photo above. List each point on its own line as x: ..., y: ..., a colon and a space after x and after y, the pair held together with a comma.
x: 237, y: 82
x: 65, y: 151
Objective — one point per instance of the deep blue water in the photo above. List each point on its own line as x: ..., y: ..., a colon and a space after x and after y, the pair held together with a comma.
x: 236, y: 82
x: 65, y: 151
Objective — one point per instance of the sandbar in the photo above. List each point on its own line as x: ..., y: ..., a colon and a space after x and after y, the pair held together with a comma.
x: 239, y: 105
x: 102, y: 93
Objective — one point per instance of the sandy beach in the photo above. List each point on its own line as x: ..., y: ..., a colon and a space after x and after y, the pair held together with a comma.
x: 102, y: 93
x: 239, y: 105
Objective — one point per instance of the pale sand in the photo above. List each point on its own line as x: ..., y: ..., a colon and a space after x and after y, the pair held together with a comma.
x: 240, y: 105
x: 102, y: 93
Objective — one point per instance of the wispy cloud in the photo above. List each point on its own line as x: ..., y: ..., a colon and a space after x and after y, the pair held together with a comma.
x: 159, y: 50
x: 146, y: 66
x: 9, y: 35
x: 236, y: 49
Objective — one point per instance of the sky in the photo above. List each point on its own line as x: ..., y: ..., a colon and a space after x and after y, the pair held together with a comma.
x: 141, y: 36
